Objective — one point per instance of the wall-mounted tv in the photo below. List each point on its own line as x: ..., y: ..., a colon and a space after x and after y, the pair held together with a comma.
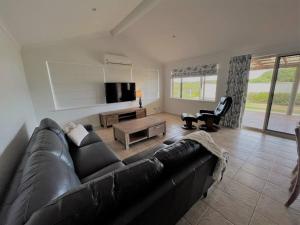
x: 119, y: 92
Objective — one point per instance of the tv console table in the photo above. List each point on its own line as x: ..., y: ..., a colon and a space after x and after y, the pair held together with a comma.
x: 107, y: 119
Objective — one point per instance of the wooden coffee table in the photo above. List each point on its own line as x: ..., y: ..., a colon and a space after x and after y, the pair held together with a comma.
x: 133, y: 131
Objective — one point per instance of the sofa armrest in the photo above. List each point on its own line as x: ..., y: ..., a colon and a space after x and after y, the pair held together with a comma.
x: 89, y: 127
x: 90, y: 138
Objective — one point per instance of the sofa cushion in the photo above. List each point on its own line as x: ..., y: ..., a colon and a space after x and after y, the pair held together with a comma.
x: 91, y: 158
x: 98, y: 199
x: 136, y: 179
x: 50, y: 124
x: 178, y: 153
x: 49, y: 141
x: 45, y: 177
x: 91, y: 138
x: 110, y: 168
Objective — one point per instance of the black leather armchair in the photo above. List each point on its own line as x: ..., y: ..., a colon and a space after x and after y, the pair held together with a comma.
x: 212, y: 118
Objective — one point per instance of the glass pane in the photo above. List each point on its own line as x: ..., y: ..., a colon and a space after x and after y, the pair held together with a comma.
x: 176, y: 87
x: 296, y: 110
x: 191, y: 88
x: 284, y: 115
x: 260, y: 77
x: 210, y: 87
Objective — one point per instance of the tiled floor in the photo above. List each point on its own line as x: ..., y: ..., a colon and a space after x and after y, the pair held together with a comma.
x: 277, y: 122
x: 256, y: 182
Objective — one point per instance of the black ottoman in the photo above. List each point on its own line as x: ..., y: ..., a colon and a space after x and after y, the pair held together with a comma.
x: 189, y: 119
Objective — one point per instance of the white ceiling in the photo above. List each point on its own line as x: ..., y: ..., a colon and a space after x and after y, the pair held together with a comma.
x: 207, y: 26
x: 36, y: 21
x: 201, y: 26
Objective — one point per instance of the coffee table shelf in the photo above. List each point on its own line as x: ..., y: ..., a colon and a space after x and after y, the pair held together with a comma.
x: 137, y: 130
x: 138, y: 136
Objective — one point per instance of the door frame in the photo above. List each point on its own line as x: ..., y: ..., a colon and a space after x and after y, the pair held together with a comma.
x: 270, y: 100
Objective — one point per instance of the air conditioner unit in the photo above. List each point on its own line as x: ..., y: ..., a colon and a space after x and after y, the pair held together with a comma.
x: 116, y: 59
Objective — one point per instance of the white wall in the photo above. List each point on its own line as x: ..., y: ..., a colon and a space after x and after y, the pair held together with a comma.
x: 85, y: 50
x: 177, y: 106
x: 16, y: 107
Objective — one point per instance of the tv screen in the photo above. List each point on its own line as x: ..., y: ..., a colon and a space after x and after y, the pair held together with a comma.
x: 119, y: 92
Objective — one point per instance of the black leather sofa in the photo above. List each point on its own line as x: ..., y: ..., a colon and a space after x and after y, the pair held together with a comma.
x: 57, y: 182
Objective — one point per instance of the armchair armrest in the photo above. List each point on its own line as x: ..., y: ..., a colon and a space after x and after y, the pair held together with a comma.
x: 208, y: 115
x: 207, y: 111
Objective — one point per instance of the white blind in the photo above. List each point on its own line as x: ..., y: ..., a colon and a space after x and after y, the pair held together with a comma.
x: 76, y: 85
x: 148, y: 81
x: 117, y: 73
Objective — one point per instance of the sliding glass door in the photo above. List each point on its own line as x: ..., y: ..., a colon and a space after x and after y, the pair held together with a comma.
x: 260, y: 78
x: 284, y: 109
x: 273, y: 98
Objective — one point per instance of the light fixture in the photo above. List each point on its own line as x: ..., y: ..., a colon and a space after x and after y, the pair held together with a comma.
x: 139, y: 94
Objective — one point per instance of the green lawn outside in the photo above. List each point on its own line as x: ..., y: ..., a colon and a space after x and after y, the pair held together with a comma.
x: 284, y: 75
x: 190, y: 90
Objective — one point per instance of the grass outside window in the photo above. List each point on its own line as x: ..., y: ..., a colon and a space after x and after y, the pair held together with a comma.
x: 194, y: 88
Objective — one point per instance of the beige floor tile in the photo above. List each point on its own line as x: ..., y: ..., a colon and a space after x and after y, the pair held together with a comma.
x: 242, y: 155
x: 276, y: 193
x: 196, y: 212
x: 222, y: 185
x: 277, y: 212
x: 291, y: 155
x: 280, y: 180
x: 282, y: 170
x: 256, y: 171
x: 250, y: 180
x: 286, y: 162
x: 263, y: 155
x: 231, y: 170
x: 242, y: 193
x: 235, y: 211
x: 259, y: 219
x: 236, y: 162
x: 262, y: 163
x: 183, y: 221
x: 212, y: 217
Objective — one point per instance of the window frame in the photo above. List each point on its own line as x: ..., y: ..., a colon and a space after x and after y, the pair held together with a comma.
x: 202, y: 82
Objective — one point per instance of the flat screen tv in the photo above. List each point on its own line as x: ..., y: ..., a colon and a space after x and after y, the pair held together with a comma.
x: 119, y: 92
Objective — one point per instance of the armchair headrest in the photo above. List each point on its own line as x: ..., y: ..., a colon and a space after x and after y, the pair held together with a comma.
x: 223, y: 106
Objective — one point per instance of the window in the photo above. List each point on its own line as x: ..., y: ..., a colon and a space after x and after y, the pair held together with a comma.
x: 193, y: 85
x: 176, y: 87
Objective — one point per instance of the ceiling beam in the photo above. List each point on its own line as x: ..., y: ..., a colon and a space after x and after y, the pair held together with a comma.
x: 142, y: 8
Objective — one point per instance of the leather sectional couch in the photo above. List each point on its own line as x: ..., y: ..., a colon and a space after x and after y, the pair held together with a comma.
x: 57, y: 182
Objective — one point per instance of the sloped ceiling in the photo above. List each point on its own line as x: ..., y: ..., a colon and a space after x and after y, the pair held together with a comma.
x: 38, y: 21
x: 172, y: 30
x: 207, y: 26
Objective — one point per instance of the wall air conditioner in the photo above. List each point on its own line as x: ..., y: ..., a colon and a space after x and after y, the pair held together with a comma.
x: 116, y: 59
